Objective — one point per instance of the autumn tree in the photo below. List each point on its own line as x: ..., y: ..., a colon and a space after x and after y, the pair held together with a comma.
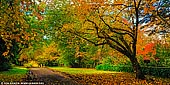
x: 16, y: 29
x: 12, y: 29
x: 112, y: 23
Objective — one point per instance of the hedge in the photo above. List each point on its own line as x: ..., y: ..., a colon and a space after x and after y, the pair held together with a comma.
x: 154, y: 71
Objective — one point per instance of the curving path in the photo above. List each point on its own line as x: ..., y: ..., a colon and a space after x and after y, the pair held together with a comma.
x: 49, y: 77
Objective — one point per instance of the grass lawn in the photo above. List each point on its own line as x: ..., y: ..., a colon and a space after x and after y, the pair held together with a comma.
x: 95, y: 77
x: 80, y: 70
x: 14, y: 74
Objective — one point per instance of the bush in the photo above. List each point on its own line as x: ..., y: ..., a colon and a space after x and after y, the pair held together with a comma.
x: 5, y: 66
x: 105, y: 67
x: 157, y: 71
x: 31, y: 64
x: 110, y: 67
x: 154, y: 71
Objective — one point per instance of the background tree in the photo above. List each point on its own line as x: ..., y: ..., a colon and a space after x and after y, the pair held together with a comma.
x: 16, y: 29
x: 12, y: 30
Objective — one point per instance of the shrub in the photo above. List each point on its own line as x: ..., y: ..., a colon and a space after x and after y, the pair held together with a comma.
x: 157, y: 71
x: 105, y: 67
x: 31, y: 64
x: 110, y: 67
x: 5, y: 66
x: 154, y: 71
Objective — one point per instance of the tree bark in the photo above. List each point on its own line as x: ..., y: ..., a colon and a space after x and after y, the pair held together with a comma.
x: 137, y: 68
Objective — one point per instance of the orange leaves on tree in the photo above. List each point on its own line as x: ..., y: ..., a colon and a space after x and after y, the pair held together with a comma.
x: 5, y: 53
x: 125, y: 21
x: 118, y: 2
x: 27, y: 37
x: 147, y: 50
x: 148, y: 9
x: 152, y: 8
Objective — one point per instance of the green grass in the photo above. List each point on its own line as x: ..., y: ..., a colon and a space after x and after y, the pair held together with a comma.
x: 14, y: 74
x: 80, y: 70
x: 15, y: 70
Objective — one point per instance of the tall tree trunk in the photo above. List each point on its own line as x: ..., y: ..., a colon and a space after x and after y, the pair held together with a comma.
x: 137, y: 68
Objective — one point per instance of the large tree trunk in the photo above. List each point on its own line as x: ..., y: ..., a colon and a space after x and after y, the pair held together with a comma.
x: 137, y: 68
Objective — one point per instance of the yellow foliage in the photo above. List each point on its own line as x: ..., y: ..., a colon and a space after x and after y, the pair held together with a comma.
x: 31, y: 64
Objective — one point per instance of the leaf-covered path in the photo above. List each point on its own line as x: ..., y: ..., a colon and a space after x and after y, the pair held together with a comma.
x: 49, y: 77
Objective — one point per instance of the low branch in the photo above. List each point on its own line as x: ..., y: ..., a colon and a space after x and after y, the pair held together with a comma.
x: 107, y: 37
x: 119, y: 49
x: 126, y: 44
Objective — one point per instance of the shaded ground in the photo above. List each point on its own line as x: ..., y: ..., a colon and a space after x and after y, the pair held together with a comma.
x: 49, y: 77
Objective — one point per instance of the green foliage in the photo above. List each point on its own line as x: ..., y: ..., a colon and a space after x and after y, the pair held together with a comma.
x: 163, y: 53
x: 157, y: 71
x: 5, y: 66
x: 13, y: 75
x: 154, y: 71
x: 67, y: 57
x: 15, y: 70
x: 141, y: 61
x: 107, y: 60
x: 118, y: 68
x: 159, y: 68
x: 105, y: 67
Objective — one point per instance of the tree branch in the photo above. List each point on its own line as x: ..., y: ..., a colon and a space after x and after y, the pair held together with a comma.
x: 96, y: 27
x: 96, y: 44
x: 113, y: 29
x: 126, y: 44
x: 107, y: 37
x: 119, y: 49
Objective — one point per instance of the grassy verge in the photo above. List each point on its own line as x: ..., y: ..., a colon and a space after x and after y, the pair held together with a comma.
x: 80, y: 70
x: 14, y: 74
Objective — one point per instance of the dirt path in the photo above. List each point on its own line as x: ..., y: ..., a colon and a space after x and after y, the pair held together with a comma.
x: 49, y: 77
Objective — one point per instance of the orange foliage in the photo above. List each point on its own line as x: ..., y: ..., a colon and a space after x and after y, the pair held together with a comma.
x: 148, y: 48
x: 145, y: 47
